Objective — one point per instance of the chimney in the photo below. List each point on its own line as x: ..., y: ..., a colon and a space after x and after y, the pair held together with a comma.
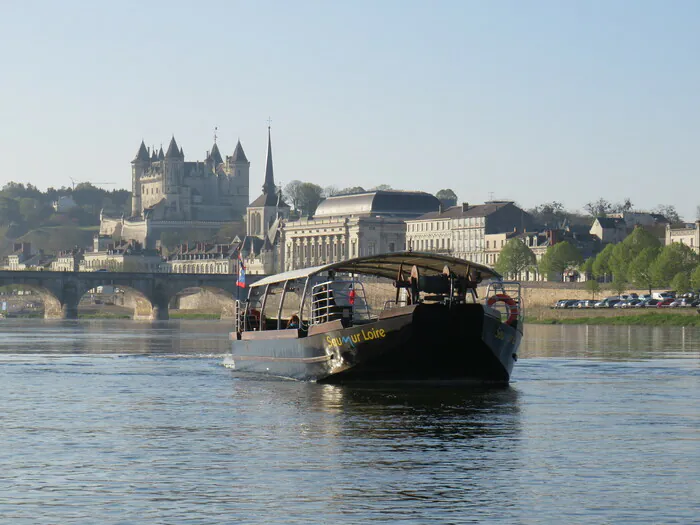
x: 465, y: 206
x: 441, y: 208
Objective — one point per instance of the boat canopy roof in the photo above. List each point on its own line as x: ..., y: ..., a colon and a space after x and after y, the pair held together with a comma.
x: 388, y: 265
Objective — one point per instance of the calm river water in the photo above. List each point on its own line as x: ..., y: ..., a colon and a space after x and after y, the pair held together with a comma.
x: 124, y: 422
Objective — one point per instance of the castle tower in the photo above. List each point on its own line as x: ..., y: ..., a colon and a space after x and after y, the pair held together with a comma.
x: 238, y: 168
x: 138, y: 168
x: 173, y: 175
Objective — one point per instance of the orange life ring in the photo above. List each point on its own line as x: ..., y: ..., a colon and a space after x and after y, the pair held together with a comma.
x: 513, y: 308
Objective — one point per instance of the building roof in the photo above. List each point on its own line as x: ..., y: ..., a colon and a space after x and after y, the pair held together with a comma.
x: 269, y: 199
x: 269, y: 184
x: 465, y: 210
x: 239, y: 154
x: 270, y: 196
x: 173, y: 150
x: 215, y: 155
x: 388, y: 203
x: 610, y: 222
x: 142, y: 154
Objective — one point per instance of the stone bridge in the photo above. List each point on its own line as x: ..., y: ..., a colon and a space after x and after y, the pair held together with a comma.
x: 62, y: 291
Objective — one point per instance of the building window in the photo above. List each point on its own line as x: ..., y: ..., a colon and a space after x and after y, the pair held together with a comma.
x: 391, y: 247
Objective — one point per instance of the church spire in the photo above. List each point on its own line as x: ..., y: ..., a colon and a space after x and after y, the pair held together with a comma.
x: 269, y: 185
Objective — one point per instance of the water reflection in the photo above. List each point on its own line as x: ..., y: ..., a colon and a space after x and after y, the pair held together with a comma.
x: 612, y: 343
x: 107, y: 336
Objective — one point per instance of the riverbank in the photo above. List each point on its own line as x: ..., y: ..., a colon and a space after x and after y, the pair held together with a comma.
x: 615, y: 317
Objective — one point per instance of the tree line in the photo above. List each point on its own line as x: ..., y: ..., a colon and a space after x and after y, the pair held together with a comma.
x: 640, y: 261
x: 27, y: 207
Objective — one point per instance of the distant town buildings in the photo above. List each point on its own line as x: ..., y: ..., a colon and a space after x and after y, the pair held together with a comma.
x: 350, y: 226
x: 689, y: 235
x: 202, y: 257
x: 461, y: 230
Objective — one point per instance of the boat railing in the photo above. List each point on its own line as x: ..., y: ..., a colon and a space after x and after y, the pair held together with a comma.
x: 338, y: 299
x: 506, y: 297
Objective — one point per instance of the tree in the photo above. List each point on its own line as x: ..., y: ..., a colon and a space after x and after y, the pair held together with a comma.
x: 515, y: 257
x: 587, y: 267
x: 292, y: 193
x: 626, y: 205
x: 639, y: 270
x: 9, y: 211
x: 672, y: 260
x: 381, y: 187
x: 599, y: 208
x: 447, y: 197
x: 593, y: 286
x: 625, y: 252
x: 668, y: 211
x: 695, y: 278
x: 549, y: 213
x: 330, y: 191
x: 619, y: 286
x: 681, y: 282
x: 351, y: 191
x: 309, y: 195
x: 601, y: 265
x: 559, y: 257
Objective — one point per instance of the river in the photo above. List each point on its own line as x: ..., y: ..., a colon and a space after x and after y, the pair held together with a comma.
x: 117, y: 422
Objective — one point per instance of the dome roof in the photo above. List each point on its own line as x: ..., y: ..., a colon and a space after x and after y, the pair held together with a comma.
x: 386, y: 203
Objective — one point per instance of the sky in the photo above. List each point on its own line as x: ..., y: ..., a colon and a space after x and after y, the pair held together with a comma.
x: 536, y: 101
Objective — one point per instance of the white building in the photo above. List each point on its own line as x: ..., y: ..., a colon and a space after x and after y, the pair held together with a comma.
x: 461, y: 230
x: 350, y: 226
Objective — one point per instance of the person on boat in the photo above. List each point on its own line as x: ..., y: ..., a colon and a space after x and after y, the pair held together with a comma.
x: 293, y: 321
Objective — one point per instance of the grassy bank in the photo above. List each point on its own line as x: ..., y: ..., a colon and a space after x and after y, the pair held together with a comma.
x: 642, y: 319
x: 194, y: 315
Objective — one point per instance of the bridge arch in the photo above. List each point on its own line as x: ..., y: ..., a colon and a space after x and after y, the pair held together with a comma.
x: 52, y: 303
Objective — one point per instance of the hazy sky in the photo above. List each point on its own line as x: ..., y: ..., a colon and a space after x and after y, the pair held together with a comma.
x: 527, y: 100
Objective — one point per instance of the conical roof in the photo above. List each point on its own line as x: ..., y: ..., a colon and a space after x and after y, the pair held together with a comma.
x: 239, y: 154
x: 161, y: 156
x: 142, y: 154
x: 215, y: 155
x: 269, y: 185
x: 173, y: 150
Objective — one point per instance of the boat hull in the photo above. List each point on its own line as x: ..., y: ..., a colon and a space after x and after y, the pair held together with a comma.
x: 426, y: 342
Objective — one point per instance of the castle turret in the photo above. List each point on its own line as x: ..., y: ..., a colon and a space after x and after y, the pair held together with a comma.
x: 138, y: 168
x: 173, y: 175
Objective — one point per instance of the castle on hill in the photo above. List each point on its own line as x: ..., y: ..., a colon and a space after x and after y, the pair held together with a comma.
x: 169, y: 193
x: 166, y: 187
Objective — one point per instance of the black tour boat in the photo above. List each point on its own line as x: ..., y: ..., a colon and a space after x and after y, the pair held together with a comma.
x: 424, y: 323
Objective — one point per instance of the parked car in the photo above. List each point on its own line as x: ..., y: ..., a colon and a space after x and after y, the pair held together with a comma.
x: 650, y: 303
x: 585, y: 304
x: 631, y: 303
x: 607, y: 303
x: 665, y: 303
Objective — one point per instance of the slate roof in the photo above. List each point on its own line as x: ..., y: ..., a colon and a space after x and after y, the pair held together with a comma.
x: 215, y: 155
x: 173, y: 150
x: 387, y: 203
x: 608, y: 222
x: 239, y: 154
x: 142, y: 154
x: 458, y: 212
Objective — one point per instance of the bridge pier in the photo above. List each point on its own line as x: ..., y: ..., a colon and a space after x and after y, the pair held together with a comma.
x: 69, y: 311
x: 159, y: 308
x: 160, y: 313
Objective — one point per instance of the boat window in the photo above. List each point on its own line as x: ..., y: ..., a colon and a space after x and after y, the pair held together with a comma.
x: 292, y: 300
x: 270, y: 313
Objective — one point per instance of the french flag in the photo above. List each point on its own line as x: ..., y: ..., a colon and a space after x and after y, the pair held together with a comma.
x: 241, y: 271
